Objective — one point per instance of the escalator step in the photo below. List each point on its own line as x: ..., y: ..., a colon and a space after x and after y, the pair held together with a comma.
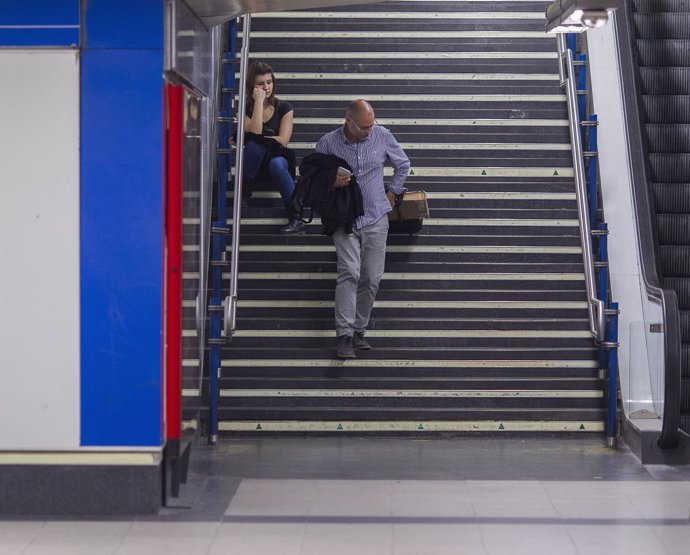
x: 671, y: 198
x: 685, y: 394
x: 681, y: 285
x: 663, y: 52
x: 668, y: 138
x: 685, y: 316
x: 685, y: 366
x: 665, y: 80
x: 673, y: 229
x: 657, y: 6
x: 684, y: 422
x: 662, y: 25
x: 675, y: 260
x: 666, y: 109
x: 670, y: 168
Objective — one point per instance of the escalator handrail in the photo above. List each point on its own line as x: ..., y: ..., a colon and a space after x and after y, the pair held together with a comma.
x: 645, y: 230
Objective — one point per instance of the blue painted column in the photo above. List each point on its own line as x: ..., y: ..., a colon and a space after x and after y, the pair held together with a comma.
x: 122, y: 223
x: 39, y: 23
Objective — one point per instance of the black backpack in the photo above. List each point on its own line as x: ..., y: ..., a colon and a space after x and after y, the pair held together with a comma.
x: 308, y: 198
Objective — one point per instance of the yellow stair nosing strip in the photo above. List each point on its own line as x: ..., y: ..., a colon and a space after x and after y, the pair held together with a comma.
x: 438, y: 16
x: 413, y: 426
x: 410, y: 393
x: 405, y: 363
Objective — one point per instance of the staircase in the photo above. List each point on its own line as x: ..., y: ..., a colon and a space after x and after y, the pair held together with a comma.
x: 662, y: 31
x: 481, y: 321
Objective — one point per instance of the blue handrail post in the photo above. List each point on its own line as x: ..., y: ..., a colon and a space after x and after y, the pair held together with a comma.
x: 216, y: 311
x: 593, y: 169
x: 603, y: 282
x: 582, y: 95
x: 604, y: 270
x: 572, y: 43
x: 216, y: 314
x: 611, y: 428
x: 219, y: 231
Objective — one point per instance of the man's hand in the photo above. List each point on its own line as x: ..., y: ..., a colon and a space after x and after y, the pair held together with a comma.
x: 341, y: 181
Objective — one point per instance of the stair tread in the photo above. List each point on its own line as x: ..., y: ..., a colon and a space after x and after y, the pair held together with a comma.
x: 497, y: 270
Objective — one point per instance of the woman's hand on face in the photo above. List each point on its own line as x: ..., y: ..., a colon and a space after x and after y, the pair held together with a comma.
x: 259, y: 95
x: 341, y: 181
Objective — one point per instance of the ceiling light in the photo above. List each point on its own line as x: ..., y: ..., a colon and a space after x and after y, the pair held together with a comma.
x: 576, y: 16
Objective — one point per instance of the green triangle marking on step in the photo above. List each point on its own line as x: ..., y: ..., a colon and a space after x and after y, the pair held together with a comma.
x: 500, y: 427
x: 582, y: 426
x: 339, y: 427
x: 555, y: 172
x: 411, y: 171
x: 258, y: 426
x: 421, y: 426
x: 483, y: 172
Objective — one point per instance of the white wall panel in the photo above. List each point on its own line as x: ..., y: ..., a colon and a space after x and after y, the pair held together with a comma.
x: 39, y: 249
x: 625, y: 273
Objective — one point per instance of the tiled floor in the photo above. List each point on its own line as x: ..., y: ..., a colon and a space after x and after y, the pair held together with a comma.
x: 396, y: 496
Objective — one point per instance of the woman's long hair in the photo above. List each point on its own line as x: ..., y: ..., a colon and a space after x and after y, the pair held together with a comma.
x: 255, y: 69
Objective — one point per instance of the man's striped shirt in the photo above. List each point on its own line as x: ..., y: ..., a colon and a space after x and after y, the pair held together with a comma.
x: 367, y: 158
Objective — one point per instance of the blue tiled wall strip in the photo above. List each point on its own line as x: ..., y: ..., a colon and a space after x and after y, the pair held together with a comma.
x: 39, y: 23
x: 122, y: 235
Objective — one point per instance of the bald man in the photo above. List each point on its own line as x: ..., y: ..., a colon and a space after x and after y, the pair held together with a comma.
x: 365, y: 146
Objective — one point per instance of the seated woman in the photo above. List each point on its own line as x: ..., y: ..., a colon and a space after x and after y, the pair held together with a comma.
x: 268, y: 127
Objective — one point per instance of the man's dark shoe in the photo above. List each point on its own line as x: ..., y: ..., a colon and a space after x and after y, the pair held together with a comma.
x: 359, y: 343
x: 345, y: 349
x: 295, y: 227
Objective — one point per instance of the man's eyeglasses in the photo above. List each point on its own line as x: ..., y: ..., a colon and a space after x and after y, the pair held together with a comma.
x: 369, y: 128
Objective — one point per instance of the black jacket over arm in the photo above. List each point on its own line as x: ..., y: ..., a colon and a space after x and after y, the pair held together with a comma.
x: 338, y: 207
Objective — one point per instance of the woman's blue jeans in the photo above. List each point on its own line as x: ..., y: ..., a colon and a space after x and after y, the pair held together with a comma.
x: 254, y: 154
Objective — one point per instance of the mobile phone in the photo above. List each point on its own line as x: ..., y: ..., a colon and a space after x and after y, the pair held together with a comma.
x: 343, y: 171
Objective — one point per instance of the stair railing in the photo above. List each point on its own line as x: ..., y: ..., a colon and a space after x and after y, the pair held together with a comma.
x: 603, y: 312
x: 230, y: 314
x: 219, y: 233
x: 209, y: 141
x: 595, y: 307
x: 225, y: 91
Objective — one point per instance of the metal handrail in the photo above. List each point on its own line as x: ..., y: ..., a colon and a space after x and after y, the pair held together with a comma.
x: 595, y: 307
x: 230, y: 312
x: 209, y: 142
x: 665, y: 297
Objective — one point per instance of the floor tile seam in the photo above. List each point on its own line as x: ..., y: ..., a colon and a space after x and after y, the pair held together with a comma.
x: 121, y: 543
x: 303, y: 537
x: 652, y: 520
x: 35, y: 536
x: 573, y: 542
x: 353, y: 520
x: 390, y: 528
x: 551, y: 500
x: 219, y: 524
x: 162, y: 536
x: 656, y: 531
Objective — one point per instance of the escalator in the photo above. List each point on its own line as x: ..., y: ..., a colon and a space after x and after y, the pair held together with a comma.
x: 661, y: 37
